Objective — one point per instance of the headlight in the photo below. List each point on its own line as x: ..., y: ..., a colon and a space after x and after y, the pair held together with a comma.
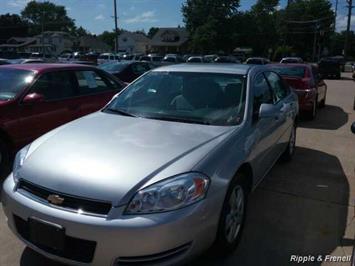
x: 19, y: 159
x: 171, y: 194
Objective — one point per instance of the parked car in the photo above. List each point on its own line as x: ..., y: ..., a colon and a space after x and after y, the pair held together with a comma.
x: 210, y: 58
x: 227, y: 59
x: 329, y: 68
x: 154, y: 59
x: 65, y: 57
x: 257, y: 61
x: 307, y: 83
x: 27, y: 61
x: 48, y: 58
x: 195, y: 59
x: 82, y: 62
x: 349, y: 67
x: 107, y: 58
x: 170, y: 160
x: 172, y: 59
x: 4, y: 62
x: 39, y: 97
x: 127, y: 71
x: 291, y: 60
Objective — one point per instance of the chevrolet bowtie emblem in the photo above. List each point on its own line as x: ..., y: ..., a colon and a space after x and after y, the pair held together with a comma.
x: 55, y: 199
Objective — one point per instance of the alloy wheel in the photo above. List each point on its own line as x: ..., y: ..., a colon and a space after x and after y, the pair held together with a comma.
x: 234, y: 217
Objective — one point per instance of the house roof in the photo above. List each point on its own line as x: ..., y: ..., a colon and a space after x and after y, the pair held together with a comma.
x: 93, y: 43
x: 170, y: 37
x: 18, y: 42
x: 137, y: 37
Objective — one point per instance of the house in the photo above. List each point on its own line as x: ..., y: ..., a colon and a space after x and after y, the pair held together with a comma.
x: 52, y: 42
x: 170, y: 40
x: 92, y: 44
x: 17, y: 44
x: 131, y: 42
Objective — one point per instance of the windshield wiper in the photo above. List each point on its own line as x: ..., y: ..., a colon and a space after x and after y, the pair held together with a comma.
x: 120, y: 112
x: 179, y: 119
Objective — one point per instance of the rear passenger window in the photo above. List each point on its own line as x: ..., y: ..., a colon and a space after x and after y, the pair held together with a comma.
x: 89, y: 82
x: 55, y: 86
x: 279, y: 90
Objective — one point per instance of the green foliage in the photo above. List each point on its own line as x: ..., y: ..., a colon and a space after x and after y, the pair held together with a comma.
x: 218, y: 25
x: 47, y: 15
x: 79, y: 32
x: 282, y: 51
x: 12, y: 26
x: 108, y: 37
x: 210, y: 23
x: 152, y: 31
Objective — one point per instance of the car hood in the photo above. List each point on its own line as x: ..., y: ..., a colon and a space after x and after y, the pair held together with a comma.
x: 105, y: 156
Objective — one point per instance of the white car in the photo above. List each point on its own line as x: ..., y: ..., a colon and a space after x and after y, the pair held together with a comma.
x: 107, y: 58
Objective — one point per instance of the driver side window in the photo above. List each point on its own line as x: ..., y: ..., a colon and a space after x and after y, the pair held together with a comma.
x: 262, y: 94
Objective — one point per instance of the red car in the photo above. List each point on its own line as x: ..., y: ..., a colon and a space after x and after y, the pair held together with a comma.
x: 307, y: 83
x: 36, y: 98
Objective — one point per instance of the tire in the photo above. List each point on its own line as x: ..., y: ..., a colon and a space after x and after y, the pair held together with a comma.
x: 291, y: 146
x: 311, y: 115
x: 237, y: 195
x: 4, y: 159
x: 322, y: 103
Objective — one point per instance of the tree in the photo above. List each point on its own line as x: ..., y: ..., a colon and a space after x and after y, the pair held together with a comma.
x: 12, y: 25
x: 79, y: 32
x: 52, y: 17
x: 305, y: 21
x: 209, y: 23
x: 152, y: 31
x: 108, y: 37
x: 265, y: 19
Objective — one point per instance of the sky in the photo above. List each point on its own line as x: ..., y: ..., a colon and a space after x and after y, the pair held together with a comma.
x: 97, y: 15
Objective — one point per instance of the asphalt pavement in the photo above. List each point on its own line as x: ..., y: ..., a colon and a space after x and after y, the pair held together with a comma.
x: 303, y: 208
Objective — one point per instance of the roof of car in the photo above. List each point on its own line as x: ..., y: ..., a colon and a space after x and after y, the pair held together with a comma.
x: 44, y: 67
x: 208, y: 68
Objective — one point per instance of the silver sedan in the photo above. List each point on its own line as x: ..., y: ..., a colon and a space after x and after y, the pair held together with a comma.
x: 159, y: 175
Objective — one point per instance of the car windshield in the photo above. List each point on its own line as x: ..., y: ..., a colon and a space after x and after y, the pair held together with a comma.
x: 116, y: 67
x: 290, y: 71
x: 202, y: 98
x: 13, y: 81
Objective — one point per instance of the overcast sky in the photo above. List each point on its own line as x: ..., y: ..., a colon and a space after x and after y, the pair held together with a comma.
x: 96, y: 15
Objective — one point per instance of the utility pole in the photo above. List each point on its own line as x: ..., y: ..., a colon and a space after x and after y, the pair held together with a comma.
x: 336, y: 14
x: 116, y: 27
x: 42, y: 29
x: 347, y: 37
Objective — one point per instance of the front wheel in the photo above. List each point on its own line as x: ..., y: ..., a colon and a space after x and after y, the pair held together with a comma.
x: 311, y: 115
x: 232, y: 217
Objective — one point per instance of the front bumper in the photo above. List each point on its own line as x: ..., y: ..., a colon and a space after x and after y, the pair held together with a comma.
x: 129, y: 238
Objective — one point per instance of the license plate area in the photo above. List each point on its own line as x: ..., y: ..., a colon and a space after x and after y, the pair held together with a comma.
x: 46, y: 234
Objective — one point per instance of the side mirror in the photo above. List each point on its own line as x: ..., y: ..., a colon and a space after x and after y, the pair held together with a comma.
x: 353, y: 128
x: 33, y: 98
x: 268, y: 110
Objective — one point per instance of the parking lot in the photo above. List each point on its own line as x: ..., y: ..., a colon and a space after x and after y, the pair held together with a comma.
x: 305, y: 207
